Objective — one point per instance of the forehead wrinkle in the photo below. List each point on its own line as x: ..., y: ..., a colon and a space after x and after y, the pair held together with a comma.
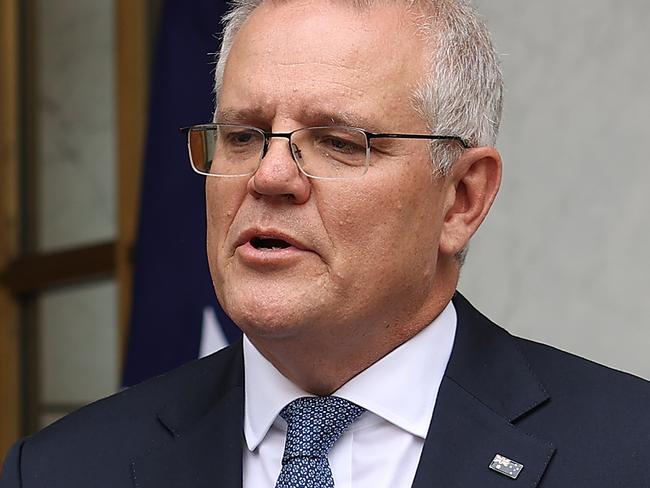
x: 346, y: 75
x: 318, y: 58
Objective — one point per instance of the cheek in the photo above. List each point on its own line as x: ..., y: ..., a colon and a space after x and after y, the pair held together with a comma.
x: 223, y: 198
x: 388, y: 223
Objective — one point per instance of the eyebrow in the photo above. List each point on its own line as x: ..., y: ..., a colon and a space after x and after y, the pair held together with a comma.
x: 241, y: 116
x: 347, y: 119
x: 310, y: 117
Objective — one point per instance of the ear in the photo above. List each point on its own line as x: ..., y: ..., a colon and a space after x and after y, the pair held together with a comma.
x: 471, y: 188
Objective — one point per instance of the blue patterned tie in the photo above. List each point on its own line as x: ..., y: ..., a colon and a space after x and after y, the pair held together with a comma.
x: 314, y: 424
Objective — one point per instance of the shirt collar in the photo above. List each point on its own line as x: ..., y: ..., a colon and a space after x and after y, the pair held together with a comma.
x: 409, y: 376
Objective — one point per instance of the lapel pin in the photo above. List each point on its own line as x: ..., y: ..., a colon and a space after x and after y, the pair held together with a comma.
x: 508, y: 467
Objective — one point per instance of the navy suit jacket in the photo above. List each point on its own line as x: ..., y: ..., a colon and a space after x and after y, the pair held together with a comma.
x: 570, y: 422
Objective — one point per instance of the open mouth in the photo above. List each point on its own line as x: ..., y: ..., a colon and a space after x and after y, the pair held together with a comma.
x: 268, y: 243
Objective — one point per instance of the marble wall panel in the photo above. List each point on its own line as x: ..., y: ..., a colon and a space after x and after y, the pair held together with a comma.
x: 78, y: 343
x: 563, y: 256
x: 75, y: 119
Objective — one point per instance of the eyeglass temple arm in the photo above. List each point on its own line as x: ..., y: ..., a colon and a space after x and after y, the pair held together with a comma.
x: 374, y: 135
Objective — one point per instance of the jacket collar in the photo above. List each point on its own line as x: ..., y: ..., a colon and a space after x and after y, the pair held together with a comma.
x: 488, y: 385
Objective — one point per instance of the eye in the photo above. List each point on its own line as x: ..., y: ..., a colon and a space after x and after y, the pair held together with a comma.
x: 342, y: 145
x: 240, y: 137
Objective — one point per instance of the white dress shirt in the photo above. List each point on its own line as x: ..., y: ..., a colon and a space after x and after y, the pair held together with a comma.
x: 383, y: 447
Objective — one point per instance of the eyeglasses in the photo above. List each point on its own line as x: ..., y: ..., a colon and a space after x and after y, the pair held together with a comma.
x: 332, y: 152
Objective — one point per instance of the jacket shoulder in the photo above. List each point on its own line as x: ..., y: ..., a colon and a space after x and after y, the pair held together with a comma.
x: 103, y: 436
x: 567, y: 374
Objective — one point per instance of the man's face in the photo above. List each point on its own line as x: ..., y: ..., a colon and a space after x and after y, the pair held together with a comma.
x: 363, y: 252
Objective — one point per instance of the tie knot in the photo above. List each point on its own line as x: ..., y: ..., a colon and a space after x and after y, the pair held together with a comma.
x: 314, y: 424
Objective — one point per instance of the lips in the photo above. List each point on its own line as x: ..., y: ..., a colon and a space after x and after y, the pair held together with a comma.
x: 269, y: 243
x: 270, y: 249
x: 269, y: 240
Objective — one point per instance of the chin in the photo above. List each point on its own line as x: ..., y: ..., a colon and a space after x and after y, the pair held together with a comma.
x: 267, y: 313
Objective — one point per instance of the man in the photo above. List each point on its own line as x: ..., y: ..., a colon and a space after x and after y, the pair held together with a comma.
x: 350, y: 162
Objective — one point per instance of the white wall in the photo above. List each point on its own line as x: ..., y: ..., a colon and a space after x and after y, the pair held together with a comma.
x: 563, y: 257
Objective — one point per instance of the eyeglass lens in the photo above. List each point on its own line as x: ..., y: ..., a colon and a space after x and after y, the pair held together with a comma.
x: 322, y: 152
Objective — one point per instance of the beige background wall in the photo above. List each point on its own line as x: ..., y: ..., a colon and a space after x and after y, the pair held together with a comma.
x: 563, y: 258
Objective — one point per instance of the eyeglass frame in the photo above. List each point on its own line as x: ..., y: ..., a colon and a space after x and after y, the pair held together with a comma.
x: 287, y: 135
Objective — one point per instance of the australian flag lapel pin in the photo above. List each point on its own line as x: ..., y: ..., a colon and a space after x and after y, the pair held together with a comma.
x: 505, y: 466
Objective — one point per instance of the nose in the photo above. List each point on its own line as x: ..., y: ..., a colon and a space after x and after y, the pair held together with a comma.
x: 278, y: 176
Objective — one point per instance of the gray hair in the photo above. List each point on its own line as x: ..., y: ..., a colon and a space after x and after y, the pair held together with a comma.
x: 462, y: 92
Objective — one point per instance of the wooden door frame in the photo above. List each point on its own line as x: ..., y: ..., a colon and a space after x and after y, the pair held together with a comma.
x: 133, y: 35
x: 10, y: 418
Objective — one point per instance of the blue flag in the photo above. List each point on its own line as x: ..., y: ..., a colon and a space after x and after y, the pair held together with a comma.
x: 175, y: 316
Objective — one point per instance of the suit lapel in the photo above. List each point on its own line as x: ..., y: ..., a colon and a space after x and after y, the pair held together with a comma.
x: 205, y: 427
x: 487, y: 387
